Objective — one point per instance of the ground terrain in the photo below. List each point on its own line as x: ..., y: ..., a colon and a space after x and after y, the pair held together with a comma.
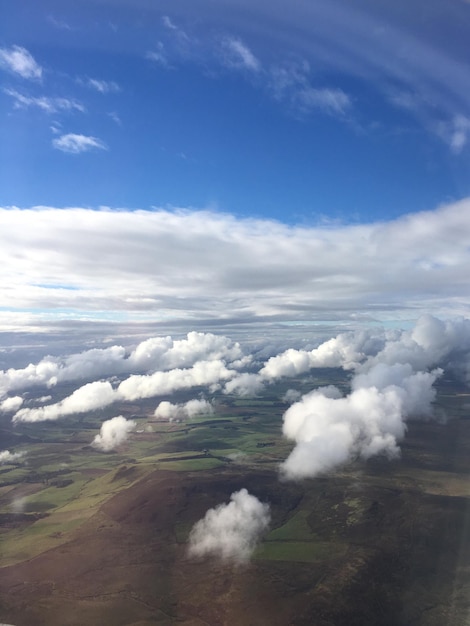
x: 93, y: 539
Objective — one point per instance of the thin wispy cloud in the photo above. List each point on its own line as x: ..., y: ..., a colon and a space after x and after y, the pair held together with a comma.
x: 45, y: 103
x: 333, y: 101
x: 236, y: 54
x: 58, y: 23
x: 102, y: 86
x: 455, y: 132
x: 75, y: 144
x: 19, y: 61
x: 158, y: 56
x: 290, y: 82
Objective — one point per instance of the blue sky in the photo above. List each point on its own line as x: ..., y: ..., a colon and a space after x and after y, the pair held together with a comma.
x: 197, y: 107
x: 314, y: 114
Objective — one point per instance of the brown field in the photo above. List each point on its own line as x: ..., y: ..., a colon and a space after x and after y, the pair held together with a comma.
x: 377, y: 543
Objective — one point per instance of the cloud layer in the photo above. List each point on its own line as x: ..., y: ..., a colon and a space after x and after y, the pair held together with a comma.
x: 230, y: 531
x: 200, y: 265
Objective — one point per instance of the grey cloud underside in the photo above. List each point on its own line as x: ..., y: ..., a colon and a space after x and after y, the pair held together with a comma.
x: 201, y: 265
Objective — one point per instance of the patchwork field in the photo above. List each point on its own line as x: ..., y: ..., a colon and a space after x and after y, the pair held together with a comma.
x: 93, y: 538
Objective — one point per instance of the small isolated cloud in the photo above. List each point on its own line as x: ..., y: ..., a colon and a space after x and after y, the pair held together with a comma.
x: 49, y: 105
x: 455, y: 133
x: 236, y: 54
x: 75, y: 144
x: 231, y: 531
x: 158, y: 56
x: 11, y: 404
x: 333, y: 101
x: 19, y: 61
x: 290, y: 82
x: 102, y: 86
x: 192, y: 408
x: 291, y: 395
x: 58, y: 23
x: 113, y: 433
x: 244, y: 384
x: 10, y: 457
x: 115, y: 117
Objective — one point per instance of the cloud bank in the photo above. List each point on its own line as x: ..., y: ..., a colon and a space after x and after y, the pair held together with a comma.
x: 211, y: 266
x: 113, y: 433
x: 230, y: 531
x: 155, y: 353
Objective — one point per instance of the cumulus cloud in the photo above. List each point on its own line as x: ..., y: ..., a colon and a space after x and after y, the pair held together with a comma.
x: 230, y: 531
x: 19, y: 61
x: 113, y: 433
x: 245, y: 384
x: 100, y: 394
x: 329, y: 431
x: 155, y: 353
x: 291, y: 395
x: 75, y: 144
x: 89, y: 397
x: 11, y: 404
x: 393, y: 382
x: 192, y: 408
x: 217, y: 267
x: 201, y: 374
x: 10, y: 457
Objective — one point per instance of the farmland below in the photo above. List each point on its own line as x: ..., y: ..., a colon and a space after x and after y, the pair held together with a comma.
x: 93, y: 538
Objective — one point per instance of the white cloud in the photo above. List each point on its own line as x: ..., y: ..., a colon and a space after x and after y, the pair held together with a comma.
x: 192, y: 408
x: 158, y: 55
x: 330, y: 431
x: 217, y: 267
x: 155, y: 353
x: 100, y: 394
x: 10, y: 457
x: 290, y: 82
x: 74, y: 144
x: 392, y: 383
x: 58, y: 23
x: 230, y: 531
x: 237, y: 55
x: 113, y: 433
x: 201, y: 374
x: 102, y: 86
x: 334, y: 101
x: 49, y: 105
x: 19, y: 61
x: 455, y: 132
x: 89, y: 397
x: 244, y: 384
x: 10, y: 404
